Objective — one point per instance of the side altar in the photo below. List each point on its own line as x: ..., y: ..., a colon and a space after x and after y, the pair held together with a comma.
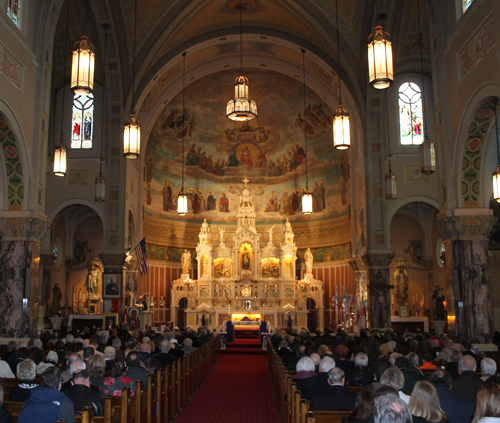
x: 246, y: 279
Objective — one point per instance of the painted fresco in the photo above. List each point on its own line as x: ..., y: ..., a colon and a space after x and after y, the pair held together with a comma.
x: 269, y: 151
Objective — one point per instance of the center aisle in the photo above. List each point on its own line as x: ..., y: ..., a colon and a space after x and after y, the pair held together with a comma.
x: 238, y: 391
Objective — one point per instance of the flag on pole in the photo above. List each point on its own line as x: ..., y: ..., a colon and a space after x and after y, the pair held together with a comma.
x: 140, y: 252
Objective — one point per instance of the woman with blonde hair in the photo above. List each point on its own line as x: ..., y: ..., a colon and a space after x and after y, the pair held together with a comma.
x: 424, y: 402
x: 488, y: 404
x: 385, y: 351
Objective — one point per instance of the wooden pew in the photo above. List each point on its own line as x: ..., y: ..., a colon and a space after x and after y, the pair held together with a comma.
x: 329, y: 416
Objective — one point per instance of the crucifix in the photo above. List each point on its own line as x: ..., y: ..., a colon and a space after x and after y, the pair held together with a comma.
x: 245, y: 181
x: 381, y: 286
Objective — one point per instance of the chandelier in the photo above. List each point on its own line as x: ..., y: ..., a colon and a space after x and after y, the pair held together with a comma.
x: 307, y: 200
x: 182, y: 205
x: 241, y: 108
x: 82, y: 70
x: 380, y: 65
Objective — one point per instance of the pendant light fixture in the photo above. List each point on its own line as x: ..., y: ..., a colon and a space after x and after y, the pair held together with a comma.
x: 241, y: 108
x: 182, y: 200
x: 380, y: 65
x: 390, y: 177
x: 132, y: 129
x: 496, y: 173
x: 341, y: 126
x: 60, y: 159
x: 100, y: 182
x: 82, y: 69
x: 307, y: 200
x: 427, y: 150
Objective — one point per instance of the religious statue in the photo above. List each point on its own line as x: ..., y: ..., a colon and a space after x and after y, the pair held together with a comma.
x: 190, y: 300
x: 186, y: 261
x: 402, y: 285
x: 308, y: 258
x: 438, y: 297
x: 303, y: 298
x: 381, y: 287
x: 93, y: 280
x: 221, y: 234
x: 270, y: 232
x: 246, y: 259
x: 56, y: 300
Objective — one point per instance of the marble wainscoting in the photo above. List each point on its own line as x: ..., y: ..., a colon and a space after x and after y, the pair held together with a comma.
x: 15, y: 258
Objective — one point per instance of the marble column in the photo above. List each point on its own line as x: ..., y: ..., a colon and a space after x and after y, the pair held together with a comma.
x: 379, y: 288
x: 19, y: 269
x: 467, y: 271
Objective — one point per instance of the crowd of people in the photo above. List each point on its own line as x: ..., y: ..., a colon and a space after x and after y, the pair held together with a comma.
x: 401, y: 378
x: 56, y: 378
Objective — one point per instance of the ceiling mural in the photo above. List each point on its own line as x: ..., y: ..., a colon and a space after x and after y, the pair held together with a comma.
x: 269, y: 151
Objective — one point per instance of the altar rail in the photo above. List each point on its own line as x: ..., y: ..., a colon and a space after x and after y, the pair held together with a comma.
x: 167, y: 393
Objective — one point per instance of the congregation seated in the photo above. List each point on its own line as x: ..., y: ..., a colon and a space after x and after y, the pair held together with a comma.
x: 427, y: 363
x: 361, y: 375
x: 467, y: 383
x: 134, y: 369
x: 336, y: 396
x: 320, y: 382
x: 466, y: 349
x: 341, y: 354
x: 36, y: 350
x: 75, y: 366
x: 50, y: 360
x: 114, y: 384
x: 363, y: 408
x: 305, y: 371
x: 458, y: 409
x: 46, y: 403
x: 394, y: 377
x: 488, y: 404
x: 391, y: 409
x: 82, y: 396
x: 66, y: 374
x: 20, y: 355
x: 5, y: 370
x: 5, y: 416
x: 411, y: 378
x: 188, y: 346
x: 452, y: 366
x: 96, y: 366
x: 488, y: 368
x: 109, y: 357
x: 424, y: 403
x: 164, y: 358
x: 26, y: 373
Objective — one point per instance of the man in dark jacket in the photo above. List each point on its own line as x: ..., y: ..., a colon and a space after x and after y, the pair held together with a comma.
x: 46, y: 404
x: 134, y: 370
x: 336, y: 396
x: 467, y: 383
x: 164, y: 358
x: 361, y: 375
x: 26, y: 373
x: 82, y: 396
x: 458, y: 409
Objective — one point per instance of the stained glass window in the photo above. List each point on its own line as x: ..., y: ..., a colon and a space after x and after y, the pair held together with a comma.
x: 13, y: 10
x: 467, y: 4
x: 410, y: 114
x: 83, y: 121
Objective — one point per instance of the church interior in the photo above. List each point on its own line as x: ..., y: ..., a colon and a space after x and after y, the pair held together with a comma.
x: 305, y: 163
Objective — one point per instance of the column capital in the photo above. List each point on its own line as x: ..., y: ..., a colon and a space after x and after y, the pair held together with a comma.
x: 358, y: 265
x: 22, y: 226
x: 378, y: 260
x: 465, y: 224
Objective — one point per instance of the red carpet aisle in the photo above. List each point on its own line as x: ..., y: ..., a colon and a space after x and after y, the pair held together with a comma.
x: 238, y: 391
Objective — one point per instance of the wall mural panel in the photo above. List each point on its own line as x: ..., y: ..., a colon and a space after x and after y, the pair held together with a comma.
x: 269, y: 151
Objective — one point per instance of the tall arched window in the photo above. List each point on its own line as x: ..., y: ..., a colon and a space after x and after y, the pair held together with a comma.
x: 13, y: 10
x: 411, y: 125
x: 83, y: 121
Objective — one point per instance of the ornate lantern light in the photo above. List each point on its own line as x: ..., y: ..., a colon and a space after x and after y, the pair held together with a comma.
x: 496, y: 173
x: 307, y: 200
x: 60, y: 159
x: 380, y: 65
x: 427, y: 150
x: 132, y: 129
x: 241, y: 108
x: 341, y: 126
x: 82, y: 70
x: 182, y: 200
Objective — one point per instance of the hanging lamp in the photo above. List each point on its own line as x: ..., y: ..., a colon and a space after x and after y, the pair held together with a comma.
x: 341, y: 125
x: 100, y: 181
x: 496, y: 173
x: 307, y: 200
x: 390, y: 177
x: 60, y: 159
x: 182, y: 200
x: 241, y: 109
x: 380, y: 65
x: 82, y: 69
x: 132, y: 129
x: 427, y: 150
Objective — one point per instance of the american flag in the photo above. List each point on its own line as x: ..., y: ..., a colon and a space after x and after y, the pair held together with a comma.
x: 140, y: 252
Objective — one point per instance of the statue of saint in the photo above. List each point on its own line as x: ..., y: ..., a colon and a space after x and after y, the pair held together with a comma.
x: 438, y: 297
x: 270, y: 232
x: 186, y: 261
x: 402, y: 285
x: 56, y: 300
x: 93, y: 280
x: 246, y: 259
x: 308, y: 258
x: 221, y: 234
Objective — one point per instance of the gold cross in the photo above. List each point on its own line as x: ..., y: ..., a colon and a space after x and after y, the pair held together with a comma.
x: 246, y: 181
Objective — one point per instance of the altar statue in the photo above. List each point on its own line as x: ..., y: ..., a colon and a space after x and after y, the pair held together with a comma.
x: 56, y: 300
x: 438, y: 297
x: 308, y: 258
x: 270, y: 232
x: 246, y: 260
x: 221, y: 234
x: 93, y: 280
x: 186, y: 261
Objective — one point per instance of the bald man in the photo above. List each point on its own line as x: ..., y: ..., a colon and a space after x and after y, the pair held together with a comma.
x: 467, y: 383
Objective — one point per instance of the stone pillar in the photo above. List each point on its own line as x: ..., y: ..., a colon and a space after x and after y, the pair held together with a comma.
x: 21, y: 233
x: 379, y: 289
x: 466, y: 244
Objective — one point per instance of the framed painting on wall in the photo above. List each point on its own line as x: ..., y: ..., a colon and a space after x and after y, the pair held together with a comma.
x: 109, y: 320
x: 112, y: 283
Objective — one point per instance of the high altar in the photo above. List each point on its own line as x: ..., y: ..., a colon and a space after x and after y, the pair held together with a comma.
x: 246, y: 280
